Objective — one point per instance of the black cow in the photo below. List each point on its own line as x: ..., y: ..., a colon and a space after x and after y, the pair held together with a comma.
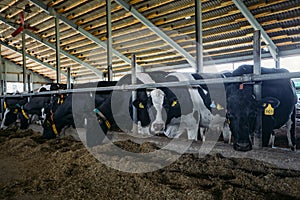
x: 75, y: 107
x: 277, y: 107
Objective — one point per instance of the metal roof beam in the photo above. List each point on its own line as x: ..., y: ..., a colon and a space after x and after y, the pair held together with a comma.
x: 51, y: 11
x: 256, y: 25
x: 191, y: 60
x: 29, y: 56
x: 53, y: 47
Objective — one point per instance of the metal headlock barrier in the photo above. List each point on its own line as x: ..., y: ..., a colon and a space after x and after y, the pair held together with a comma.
x: 238, y: 79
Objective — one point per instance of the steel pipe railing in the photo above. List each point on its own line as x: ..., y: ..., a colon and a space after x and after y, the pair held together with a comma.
x: 247, y: 78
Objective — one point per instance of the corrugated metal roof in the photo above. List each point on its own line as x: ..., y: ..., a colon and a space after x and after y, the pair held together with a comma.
x: 226, y: 32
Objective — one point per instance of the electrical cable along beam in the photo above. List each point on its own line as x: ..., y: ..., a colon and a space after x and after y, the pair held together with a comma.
x: 247, y: 78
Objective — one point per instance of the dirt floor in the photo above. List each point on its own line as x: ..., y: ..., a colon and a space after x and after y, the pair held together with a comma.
x: 34, y: 168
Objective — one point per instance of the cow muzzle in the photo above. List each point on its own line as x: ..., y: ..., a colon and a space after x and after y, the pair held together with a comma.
x: 158, y: 127
x: 242, y: 146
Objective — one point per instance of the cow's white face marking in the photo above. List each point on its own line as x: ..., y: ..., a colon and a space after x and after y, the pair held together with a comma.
x: 4, y: 118
x: 43, y: 114
x: 158, y: 124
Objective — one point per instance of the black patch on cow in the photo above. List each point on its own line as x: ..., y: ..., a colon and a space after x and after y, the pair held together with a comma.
x: 196, y: 115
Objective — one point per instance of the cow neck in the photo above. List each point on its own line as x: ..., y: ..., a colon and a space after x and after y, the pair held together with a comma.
x: 53, y: 126
x: 101, y: 117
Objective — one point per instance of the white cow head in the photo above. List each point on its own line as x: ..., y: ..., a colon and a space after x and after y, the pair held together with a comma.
x: 158, y: 125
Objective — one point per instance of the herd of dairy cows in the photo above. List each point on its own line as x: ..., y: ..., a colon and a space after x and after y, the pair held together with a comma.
x: 169, y: 111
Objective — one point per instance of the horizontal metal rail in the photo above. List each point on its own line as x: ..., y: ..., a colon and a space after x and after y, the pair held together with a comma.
x: 247, y: 78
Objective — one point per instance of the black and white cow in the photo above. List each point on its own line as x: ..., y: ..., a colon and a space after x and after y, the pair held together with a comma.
x: 26, y: 110
x: 75, y: 107
x: 116, y: 111
x: 38, y: 107
x: 161, y: 110
x: 197, y: 106
x: 12, y: 109
x: 277, y: 107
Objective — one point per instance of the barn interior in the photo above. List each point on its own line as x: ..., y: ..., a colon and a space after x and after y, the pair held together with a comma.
x: 161, y: 34
x: 80, y: 41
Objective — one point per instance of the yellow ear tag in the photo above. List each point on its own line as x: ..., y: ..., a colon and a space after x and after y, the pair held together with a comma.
x: 4, y: 105
x: 174, y: 103
x: 141, y: 105
x: 228, y: 121
x: 16, y: 111
x: 269, y: 110
x: 107, y: 124
x: 219, y: 107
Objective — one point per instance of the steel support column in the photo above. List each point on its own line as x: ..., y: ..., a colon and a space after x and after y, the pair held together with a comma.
x: 109, y: 40
x: 257, y: 87
x: 134, y: 93
x: 68, y: 78
x: 1, y: 72
x: 4, y: 78
x: 57, y: 38
x: 24, y: 59
x: 29, y: 80
x: 199, y: 40
x: 277, y: 62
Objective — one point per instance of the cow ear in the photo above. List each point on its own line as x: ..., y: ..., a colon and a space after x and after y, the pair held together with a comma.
x: 270, y: 101
x: 138, y: 104
x: 173, y: 102
x: 269, y: 104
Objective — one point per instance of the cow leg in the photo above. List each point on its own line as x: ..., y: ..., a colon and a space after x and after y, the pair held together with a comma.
x: 226, y: 133
x: 193, y: 126
x: 4, y: 118
x: 268, y: 124
x: 291, y: 130
x: 192, y: 134
x: 272, y: 139
x: 202, y: 132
